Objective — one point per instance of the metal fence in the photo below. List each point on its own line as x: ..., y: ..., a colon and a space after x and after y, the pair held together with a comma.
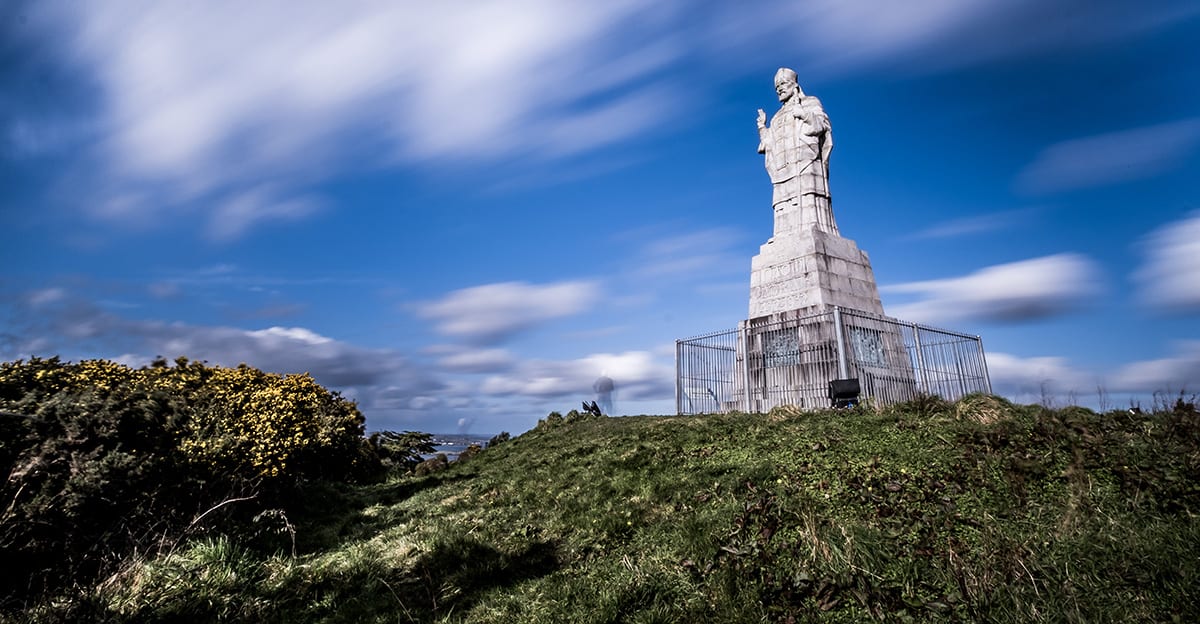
x: 765, y: 363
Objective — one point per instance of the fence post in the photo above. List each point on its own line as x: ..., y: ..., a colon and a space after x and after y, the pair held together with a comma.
x: 843, y: 369
x: 923, y: 383
x: 744, y: 340
x: 678, y: 378
x: 987, y: 378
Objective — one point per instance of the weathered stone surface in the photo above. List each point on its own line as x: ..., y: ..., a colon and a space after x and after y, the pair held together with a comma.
x: 796, y: 148
x: 812, y: 271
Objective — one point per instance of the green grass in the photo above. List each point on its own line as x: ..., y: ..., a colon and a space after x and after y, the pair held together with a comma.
x: 977, y: 511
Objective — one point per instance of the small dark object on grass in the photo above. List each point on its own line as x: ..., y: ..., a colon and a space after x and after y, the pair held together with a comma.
x: 591, y: 408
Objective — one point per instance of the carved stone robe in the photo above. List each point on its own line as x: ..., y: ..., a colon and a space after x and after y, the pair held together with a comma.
x: 797, y: 146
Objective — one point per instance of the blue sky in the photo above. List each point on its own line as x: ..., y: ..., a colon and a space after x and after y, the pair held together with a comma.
x: 461, y: 213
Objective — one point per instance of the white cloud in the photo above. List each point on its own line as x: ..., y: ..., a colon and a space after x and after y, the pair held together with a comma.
x: 1014, y: 292
x: 606, y: 124
x: 977, y: 224
x: 278, y: 349
x: 71, y: 326
x: 1054, y: 378
x: 201, y: 101
x: 494, y: 312
x: 423, y: 402
x: 164, y: 290
x: 636, y: 374
x: 864, y: 32
x: 1180, y: 372
x: 695, y: 253
x: 1111, y: 158
x: 838, y: 36
x: 1037, y: 379
x: 468, y: 360
x: 238, y: 214
x: 35, y: 137
x: 1170, y: 278
x: 280, y: 335
x: 46, y: 296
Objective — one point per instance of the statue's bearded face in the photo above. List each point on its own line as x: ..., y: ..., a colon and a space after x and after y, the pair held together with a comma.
x: 785, y: 89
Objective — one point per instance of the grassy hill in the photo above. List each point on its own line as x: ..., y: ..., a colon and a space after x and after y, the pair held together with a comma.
x: 926, y: 512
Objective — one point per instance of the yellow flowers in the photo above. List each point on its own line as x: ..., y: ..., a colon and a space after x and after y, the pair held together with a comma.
x: 239, y: 420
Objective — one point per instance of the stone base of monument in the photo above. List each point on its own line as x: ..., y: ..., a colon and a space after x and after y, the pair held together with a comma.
x: 790, y: 344
x: 789, y: 359
x: 808, y: 271
x: 797, y: 339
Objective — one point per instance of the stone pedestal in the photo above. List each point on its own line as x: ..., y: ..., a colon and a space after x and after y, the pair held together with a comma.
x: 793, y: 343
x: 808, y: 271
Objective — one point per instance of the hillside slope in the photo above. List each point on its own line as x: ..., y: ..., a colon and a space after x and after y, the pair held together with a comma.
x: 926, y: 512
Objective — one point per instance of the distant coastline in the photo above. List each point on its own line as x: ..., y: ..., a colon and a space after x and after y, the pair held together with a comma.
x: 452, y: 444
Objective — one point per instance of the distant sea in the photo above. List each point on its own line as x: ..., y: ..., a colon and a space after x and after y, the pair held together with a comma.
x: 454, y: 443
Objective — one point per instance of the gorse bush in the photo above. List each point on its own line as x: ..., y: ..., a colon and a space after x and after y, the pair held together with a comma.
x: 91, y: 475
x: 250, y: 424
x: 102, y: 460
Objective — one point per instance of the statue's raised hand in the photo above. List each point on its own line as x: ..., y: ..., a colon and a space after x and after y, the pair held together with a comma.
x: 762, y: 119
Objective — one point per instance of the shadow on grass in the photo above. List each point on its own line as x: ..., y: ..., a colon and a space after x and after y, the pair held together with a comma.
x: 445, y: 582
x: 328, y: 517
x: 457, y: 572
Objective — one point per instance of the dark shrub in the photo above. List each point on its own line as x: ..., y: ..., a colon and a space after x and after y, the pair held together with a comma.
x: 437, y: 463
x: 470, y: 452
x: 103, y: 460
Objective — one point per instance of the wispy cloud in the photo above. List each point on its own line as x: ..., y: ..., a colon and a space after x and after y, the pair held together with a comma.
x: 1111, y: 158
x: 494, y: 312
x: 1179, y: 372
x: 978, y: 224
x: 684, y: 255
x: 1014, y: 292
x: 1169, y: 279
x: 637, y: 374
x: 279, y: 349
x: 236, y: 215
x: 57, y: 322
x: 923, y: 36
x: 850, y: 34
x: 1059, y: 380
x: 459, y: 359
x: 45, y: 296
x: 1032, y: 379
x: 199, y: 102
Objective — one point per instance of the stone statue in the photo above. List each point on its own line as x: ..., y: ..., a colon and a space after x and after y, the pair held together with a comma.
x: 796, y: 147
